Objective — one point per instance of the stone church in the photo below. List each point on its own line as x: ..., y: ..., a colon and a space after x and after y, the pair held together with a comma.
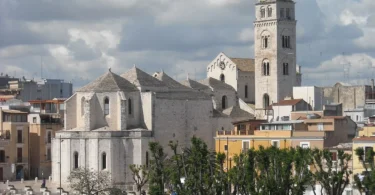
x: 110, y: 121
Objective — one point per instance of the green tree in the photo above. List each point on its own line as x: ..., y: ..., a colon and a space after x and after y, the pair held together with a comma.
x: 367, y: 184
x: 140, y: 175
x: 157, y: 172
x: 333, y: 176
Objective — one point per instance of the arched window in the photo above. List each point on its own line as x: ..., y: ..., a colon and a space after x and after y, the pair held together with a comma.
x: 269, y: 11
x: 104, y: 160
x: 106, y: 106
x: 245, y: 91
x: 222, y: 78
x: 266, y: 68
x: 262, y: 12
x: 75, y: 155
x: 265, y: 41
x: 266, y: 100
x: 82, y: 106
x: 285, y: 69
x: 224, y: 102
x: 146, y: 159
x: 130, y: 106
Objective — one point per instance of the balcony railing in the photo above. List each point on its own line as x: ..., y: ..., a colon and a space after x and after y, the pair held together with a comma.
x: 233, y: 132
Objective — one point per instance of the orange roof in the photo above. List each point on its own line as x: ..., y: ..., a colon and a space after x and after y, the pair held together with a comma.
x: 6, y: 97
x: 364, y: 139
x: 287, y: 102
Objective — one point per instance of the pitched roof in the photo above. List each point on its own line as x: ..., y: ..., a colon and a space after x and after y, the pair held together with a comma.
x: 194, y: 84
x: 287, y: 102
x: 109, y: 82
x: 244, y: 64
x: 216, y: 84
x: 140, y: 78
x: 235, y: 112
x: 169, y: 81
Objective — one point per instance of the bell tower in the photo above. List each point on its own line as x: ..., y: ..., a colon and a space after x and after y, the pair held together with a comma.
x: 275, y: 52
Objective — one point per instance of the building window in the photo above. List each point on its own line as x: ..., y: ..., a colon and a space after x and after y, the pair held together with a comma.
x: 82, y: 106
x: 275, y: 143
x: 7, y: 134
x: 356, y: 117
x: 2, y: 156
x: 281, y: 12
x: 106, y: 106
x: 245, y: 91
x: 285, y: 41
x: 285, y: 69
x: 19, y: 136
x: 241, y: 127
x: 334, y: 156
x: 75, y: 160
x: 225, y: 147
x: 147, y: 159
x: 262, y: 12
x: 104, y: 160
x: 366, y: 150
x: 130, y: 106
x: 266, y: 101
x: 19, y: 155
x: 245, y: 146
x: 266, y: 68
x: 320, y: 126
x: 222, y: 78
x: 48, y: 154
x: 287, y: 13
x: 265, y: 41
x: 49, y: 136
x: 224, y: 102
x: 269, y: 11
x: 305, y: 145
x: 34, y: 119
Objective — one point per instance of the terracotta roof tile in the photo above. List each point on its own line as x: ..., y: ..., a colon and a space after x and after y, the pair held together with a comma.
x: 244, y: 64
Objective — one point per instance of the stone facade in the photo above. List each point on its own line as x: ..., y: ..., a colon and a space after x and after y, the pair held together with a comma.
x: 275, y: 45
x: 117, y: 116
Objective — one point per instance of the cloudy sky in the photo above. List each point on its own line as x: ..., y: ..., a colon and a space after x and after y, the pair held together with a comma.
x: 78, y: 40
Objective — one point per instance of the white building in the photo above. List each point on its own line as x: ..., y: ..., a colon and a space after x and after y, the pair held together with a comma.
x: 312, y: 95
x: 281, y: 111
x: 110, y: 121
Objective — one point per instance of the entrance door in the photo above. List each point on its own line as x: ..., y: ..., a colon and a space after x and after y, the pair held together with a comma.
x: 19, y: 172
x: 1, y: 174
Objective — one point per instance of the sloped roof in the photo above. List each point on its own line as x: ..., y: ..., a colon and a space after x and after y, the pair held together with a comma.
x: 109, y: 82
x: 244, y: 64
x: 140, y: 78
x: 216, y: 84
x: 235, y: 112
x: 169, y: 81
x: 194, y: 84
x: 287, y: 102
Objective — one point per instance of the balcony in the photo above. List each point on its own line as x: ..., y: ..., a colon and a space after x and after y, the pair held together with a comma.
x: 235, y: 133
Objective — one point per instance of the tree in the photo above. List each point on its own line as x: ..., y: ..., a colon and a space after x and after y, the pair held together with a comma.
x: 140, y: 175
x: 333, y: 176
x: 89, y: 182
x: 367, y: 184
x: 157, y: 171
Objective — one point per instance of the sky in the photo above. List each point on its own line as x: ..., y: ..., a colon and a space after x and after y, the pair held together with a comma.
x: 78, y: 40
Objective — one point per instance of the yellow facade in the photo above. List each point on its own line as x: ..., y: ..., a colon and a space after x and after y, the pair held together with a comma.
x: 14, y: 145
x: 367, y: 131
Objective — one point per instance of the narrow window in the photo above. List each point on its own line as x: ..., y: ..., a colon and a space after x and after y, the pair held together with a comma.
x: 48, y: 153
x: 245, y: 91
x: 245, y: 146
x: 224, y: 102
x: 19, y: 155
x: 285, y: 68
x: 49, y: 137
x: 146, y: 159
x: 282, y: 13
x: 222, y: 78
x: 283, y: 41
x: 34, y: 119
x: 264, y: 68
x: 287, y: 13
x: 225, y: 147
x: 269, y: 11
x: 19, y: 136
x: 76, y: 160
x: 266, y: 101
x: 106, y: 106
x: 334, y: 156
x: 268, y: 69
x: 262, y: 12
x: 130, y: 106
x: 266, y: 42
x: 104, y: 160
x: 2, y: 156
x: 82, y: 106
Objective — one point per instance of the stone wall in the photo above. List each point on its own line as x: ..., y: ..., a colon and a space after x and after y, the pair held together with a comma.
x: 246, y: 79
